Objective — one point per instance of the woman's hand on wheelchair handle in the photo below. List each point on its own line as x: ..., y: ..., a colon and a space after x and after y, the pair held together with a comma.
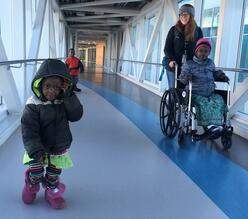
x: 172, y: 64
x: 189, y: 77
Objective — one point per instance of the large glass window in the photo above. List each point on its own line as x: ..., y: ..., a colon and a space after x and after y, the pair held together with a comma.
x: 149, y: 25
x: 210, y: 21
x: 244, y: 57
x: 244, y: 48
x: 133, y: 33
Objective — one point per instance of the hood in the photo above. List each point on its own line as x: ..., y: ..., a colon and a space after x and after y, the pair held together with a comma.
x: 50, y: 67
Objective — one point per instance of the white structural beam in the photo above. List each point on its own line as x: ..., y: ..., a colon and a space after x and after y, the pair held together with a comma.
x: 91, y: 35
x: 98, y: 25
x: 61, y: 39
x: 7, y: 84
x: 171, y: 17
x: 154, y: 35
x: 239, y: 98
x: 99, y: 16
x: 101, y: 9
x: 108, y: 54
x: 52, y: 41
x: 76, y: 43
x: 91, y: 31
x: 87, y: 37
x: 129, y: 42
x: 198, y: 5
x: 99, y: 21
x: 120, y: 64
x: 95, y: 3
x: 35, y: 40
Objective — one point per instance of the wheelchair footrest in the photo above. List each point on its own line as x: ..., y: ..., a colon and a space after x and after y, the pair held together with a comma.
x: 198, y: 137
x: 213, y: 133
x: 227, y: 131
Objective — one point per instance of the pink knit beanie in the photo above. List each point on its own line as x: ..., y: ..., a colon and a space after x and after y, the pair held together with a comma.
x: 203, y: 42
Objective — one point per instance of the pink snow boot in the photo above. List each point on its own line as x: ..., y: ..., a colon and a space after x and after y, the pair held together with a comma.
x: 29, y: 191
x: 54, y: 196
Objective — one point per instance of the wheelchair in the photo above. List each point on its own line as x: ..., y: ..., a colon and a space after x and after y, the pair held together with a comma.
x: 178, y: 115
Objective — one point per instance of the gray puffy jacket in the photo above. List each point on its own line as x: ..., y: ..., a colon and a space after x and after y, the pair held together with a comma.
x: 202, y: 74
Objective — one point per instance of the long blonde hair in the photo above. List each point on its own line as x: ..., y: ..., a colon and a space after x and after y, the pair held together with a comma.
x: 187, y: 30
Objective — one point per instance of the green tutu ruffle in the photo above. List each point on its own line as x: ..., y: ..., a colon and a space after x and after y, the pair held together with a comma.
x: 60, y: 161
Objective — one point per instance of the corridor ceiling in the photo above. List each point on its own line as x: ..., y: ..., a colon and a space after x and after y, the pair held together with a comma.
x: 94, y: 19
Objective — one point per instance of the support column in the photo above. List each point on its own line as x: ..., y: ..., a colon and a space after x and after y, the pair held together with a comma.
x: 7, y: 84
x: 35, y: 41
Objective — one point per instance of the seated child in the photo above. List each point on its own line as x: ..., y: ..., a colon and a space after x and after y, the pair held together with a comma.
x: 210, y: 107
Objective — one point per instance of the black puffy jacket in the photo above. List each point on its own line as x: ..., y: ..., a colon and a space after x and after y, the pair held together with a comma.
x: 175, y: 45
x: 45, y: 124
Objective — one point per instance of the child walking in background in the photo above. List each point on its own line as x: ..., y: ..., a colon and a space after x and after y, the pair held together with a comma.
x: 210, y: 107
x: 46, y: 132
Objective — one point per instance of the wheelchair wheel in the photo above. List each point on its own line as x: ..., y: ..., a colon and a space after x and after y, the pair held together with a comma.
x: 226, y: 141
x: 170, y: 113
x: 181, y: 137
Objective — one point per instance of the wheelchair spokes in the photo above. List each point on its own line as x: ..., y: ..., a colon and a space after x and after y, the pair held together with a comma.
x: 170, y: 113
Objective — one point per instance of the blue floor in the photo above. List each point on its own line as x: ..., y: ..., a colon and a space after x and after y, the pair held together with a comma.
x: 118, y: 170
x: 224, y: 182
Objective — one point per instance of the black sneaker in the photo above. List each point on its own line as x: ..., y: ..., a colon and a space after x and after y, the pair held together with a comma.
x: 77, y: 89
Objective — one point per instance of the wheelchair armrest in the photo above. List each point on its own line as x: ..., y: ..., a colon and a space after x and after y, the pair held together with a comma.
x: 221, y: 80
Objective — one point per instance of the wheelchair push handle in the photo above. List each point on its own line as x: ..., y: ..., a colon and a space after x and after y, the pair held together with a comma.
x: 176, y: 74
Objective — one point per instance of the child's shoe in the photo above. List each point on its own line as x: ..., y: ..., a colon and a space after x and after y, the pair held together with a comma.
x: 54, y: 196
x: 29, y: 191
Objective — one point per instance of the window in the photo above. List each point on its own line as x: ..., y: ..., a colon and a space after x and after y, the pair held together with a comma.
x: 210, y: 21
x: 244, y: 48
x: 34, y: 6
x: 133, y: 33
x: 244, y: 57
x: 149, y: 25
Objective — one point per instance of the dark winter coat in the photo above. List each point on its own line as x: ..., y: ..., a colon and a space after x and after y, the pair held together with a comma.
x: 45, y: 124
x: 175, y: 45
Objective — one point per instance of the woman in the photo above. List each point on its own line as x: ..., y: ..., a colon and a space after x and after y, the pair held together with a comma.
x: 181, y: 41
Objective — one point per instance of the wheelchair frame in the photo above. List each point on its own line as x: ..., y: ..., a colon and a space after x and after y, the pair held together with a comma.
x: 172, y: 110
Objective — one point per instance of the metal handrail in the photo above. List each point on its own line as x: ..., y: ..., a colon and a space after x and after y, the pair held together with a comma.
x: 139, y: 62
x: 24, y: 61
x: 159, y: 64
x: 20, y: 62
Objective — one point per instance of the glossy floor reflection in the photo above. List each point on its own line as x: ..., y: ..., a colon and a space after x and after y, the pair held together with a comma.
x: 238, y: 153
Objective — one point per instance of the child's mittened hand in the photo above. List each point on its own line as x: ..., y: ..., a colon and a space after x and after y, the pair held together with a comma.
x: 226, y: 79
x: 65, y: 86
x: 66, y: 89
x: 39, y: 156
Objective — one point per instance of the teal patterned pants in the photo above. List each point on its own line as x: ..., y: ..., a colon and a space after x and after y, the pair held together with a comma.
x: 209, y: 110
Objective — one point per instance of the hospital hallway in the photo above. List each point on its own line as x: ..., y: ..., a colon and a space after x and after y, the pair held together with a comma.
x: 125, y: 168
